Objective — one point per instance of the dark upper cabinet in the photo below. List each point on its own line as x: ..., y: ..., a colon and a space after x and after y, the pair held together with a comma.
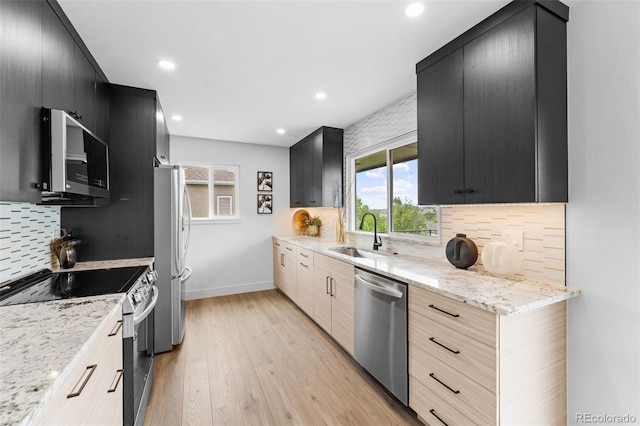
x: 316, y: 169
x: 124, y: 229
x: 440, y: 132
x: 492, y: 117
x: 58, y: 63
x: 20, y: 100
x: 43, y: 63
x: 85, y: 90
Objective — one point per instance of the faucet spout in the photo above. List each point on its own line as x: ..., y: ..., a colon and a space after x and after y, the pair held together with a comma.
x: 377, y: 241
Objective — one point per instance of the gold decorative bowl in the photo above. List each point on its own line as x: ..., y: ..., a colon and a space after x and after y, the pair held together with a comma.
x: 300, y: 218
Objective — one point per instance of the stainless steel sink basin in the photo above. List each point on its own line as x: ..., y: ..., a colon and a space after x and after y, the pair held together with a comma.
x: 354, y: 252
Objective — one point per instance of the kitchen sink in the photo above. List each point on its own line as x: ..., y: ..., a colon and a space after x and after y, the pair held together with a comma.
x: 354, y: 252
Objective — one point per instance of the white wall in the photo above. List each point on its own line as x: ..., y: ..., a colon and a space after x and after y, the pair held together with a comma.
x: 603, y: 213
x: 236, y: 257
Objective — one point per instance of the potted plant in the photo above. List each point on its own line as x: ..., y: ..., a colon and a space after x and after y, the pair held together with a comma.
x: 313, y: 226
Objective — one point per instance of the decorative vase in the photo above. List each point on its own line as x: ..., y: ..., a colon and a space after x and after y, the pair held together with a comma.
x: 314, y: 230
x: 341, y: 235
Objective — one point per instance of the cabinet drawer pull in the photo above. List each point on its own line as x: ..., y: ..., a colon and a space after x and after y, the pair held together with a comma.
x: 278, y: 244
x: 443, y: 311
x: 115, y: 329
x: 304, y: 255
x: 116, y: 381
x: 289, y: 248
x: 281, y: 259
x: 82, y: 381
x: 433, y: 413
x: 306, y: 266
x: 433, y: 376
x: 440, y: 344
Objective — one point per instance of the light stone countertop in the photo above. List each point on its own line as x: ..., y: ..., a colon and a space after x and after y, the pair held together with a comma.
x: 40, y: 344
x: 106, y: 264
x: 503, y: 296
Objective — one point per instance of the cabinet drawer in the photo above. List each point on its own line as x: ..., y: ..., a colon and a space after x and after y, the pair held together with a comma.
x: 467, y: 355
x: 464, y: 394
x: 433, y: 409
x: 305, y: 256
x: 468, y: 320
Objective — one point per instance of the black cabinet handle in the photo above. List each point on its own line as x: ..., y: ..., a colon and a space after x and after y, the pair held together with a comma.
x: 443, y: 311
x: 312, y: 201
x: 433, y: 376
x: 440, y: 344
x: 458, y: 191
x: 433, y: 413
x: 469, y: 191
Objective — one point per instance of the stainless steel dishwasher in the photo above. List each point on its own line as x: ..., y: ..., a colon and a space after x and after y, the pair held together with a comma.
x: 381, y: 331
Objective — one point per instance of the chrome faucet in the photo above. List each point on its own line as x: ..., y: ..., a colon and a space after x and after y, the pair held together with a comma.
x: 377, y: 241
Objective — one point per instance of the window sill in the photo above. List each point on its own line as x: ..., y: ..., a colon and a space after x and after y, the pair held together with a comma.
x: 215, y: 221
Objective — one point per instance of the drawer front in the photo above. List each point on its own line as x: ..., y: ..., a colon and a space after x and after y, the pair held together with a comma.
x: 431, y: 408
x: 305, y: 256
x: 467, y: 355
x: 464, y: 394
x: 468, y: 320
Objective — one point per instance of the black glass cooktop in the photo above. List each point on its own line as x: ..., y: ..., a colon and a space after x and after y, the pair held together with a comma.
x: 46, y: 285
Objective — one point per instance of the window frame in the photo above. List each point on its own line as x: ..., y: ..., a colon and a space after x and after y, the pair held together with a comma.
x: 388, y: 146
x: 235, y: 199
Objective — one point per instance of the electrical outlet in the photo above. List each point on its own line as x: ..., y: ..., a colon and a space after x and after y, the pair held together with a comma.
x: 515, y: 237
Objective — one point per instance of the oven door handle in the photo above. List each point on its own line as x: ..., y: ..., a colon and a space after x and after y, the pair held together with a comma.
x: 144, y: 314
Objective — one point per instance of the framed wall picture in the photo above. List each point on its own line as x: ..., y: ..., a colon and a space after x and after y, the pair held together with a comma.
x: 265, y: 181
x: 265, y: 203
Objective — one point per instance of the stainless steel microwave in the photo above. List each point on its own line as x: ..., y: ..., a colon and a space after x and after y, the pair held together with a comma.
x: 75, y: 162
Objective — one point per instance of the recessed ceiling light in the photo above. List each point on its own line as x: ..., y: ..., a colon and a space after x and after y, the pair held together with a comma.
x: 165, y: 64
x: 280, y: 131
x: 414, y: 9
x: 176, y: 117
x: 320, y: 95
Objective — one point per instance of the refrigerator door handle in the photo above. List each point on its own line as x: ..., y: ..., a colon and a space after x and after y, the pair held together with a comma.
x: 186, y: 274
x: 189, y: 216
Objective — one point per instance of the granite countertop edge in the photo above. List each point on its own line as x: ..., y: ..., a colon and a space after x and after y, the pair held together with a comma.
x: 525, y: 294
x: 106, y: 264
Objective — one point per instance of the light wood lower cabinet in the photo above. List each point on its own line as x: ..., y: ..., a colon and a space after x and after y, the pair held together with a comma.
x: 304, y: 278
x: 91, y: 393
x: 470, y: 366
x: 284, y: 268
x: 333, y: 299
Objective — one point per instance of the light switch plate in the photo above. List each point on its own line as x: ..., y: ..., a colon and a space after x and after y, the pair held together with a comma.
x: 515, y: 236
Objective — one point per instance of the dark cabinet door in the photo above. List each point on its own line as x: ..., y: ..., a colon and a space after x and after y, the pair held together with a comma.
x: 58, y: 62
x: 20, y: 100
x: 440, y: 132
x: 85, y: 90
x: 332, y: 167
x: 103, y: 109
x: 313, y: 170
x: 500, y: 113
x: 295, y: 186
x: 301, y: 174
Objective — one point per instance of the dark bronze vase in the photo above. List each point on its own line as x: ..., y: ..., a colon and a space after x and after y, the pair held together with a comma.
x: 461, y: 251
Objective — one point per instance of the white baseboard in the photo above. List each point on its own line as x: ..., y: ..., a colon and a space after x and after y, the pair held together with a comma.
x: 227, y: 290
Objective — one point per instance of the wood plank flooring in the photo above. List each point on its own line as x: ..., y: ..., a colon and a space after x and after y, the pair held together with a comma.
x: 256, y: 359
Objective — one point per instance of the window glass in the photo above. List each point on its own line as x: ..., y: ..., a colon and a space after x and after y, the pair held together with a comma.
x: 386, y: 184
x: 213, y: 191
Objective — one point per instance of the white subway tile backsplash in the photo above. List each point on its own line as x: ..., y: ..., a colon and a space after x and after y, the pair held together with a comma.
x: 25, y: 233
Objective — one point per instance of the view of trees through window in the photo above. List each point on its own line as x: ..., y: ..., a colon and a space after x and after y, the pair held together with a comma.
x: 396, y: 205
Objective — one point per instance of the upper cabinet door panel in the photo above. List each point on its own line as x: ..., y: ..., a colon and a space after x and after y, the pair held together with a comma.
x: 85, y: 90
x: 58, y: 62
x: 500, y: 112
x: 20, y: 100
x: 440, y: 132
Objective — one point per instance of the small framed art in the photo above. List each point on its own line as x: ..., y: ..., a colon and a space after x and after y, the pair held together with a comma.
x: 265, y: 203
x: 265, y: 181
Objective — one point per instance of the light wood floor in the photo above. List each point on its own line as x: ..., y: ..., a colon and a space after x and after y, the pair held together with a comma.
x: 256, y: 359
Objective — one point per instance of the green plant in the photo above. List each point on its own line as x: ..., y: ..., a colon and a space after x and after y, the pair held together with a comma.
x: 314, y: 221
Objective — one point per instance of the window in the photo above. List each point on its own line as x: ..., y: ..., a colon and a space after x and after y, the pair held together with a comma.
x: 386, y: 185
x: 213, y: 191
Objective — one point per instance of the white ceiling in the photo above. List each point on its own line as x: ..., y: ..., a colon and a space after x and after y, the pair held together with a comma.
x: 246, y: 68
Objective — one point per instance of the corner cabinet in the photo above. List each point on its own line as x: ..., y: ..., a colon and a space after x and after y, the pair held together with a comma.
x: 492, y: 111
x: 471, y: 366
x: 316, y: 169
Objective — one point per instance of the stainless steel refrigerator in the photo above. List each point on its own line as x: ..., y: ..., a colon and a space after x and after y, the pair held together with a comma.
x: 172, y: 228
